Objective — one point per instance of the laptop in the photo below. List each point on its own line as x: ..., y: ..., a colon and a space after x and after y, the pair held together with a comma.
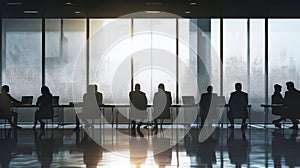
x: 27, y: 100
x: 188, y: 100
x: 55, y: 100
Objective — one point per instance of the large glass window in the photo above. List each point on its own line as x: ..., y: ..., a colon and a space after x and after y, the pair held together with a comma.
x: 187, y: 61
x: 22, y: 56
x: 110, y: 58
x: 215, y: 55
x: 283, y: 52
x: 257, y: 63
x: 235, y: 54
x: 66, y: 58
x: 155, y: 55
x: 144, y: 50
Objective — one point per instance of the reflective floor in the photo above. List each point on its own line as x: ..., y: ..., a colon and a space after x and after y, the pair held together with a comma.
x: 253, y: 147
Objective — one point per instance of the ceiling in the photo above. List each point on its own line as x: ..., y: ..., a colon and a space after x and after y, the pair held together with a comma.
x: 182, y: 8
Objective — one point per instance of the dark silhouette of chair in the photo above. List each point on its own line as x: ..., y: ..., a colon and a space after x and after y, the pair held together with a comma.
x: 162, y: 102
x: 55, y: 102
x: 5, y: 119
x: 51, y: 118
x: 190, y: 113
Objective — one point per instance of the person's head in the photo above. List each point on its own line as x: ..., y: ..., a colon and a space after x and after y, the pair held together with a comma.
x: 91, y: 89
x: 290, y: 85
x: 277, y: 88
x: 238, y: 86
x: 45, y: 90
x: 161, y: 87
x: 5, y: 89
x: 137, y: 87
x: 209, y: 89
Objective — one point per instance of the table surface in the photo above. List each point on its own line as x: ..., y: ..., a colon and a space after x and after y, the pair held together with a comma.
x: 271, y: 105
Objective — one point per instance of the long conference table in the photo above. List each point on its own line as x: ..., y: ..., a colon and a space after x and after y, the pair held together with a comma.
x: 114, y: 113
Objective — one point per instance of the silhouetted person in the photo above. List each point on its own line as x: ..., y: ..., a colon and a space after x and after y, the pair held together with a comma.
x: 291, y: 101
x: 92, y: 95
x: 207, y: 104
x: 91, y: 110
x: 238, y: 149
x: 162, y: 101
x: 6, y: 103
x: 7, y: 146
x: 278, y: 99
x: 138, y: 106
x: 238, y: 103
x: 44, y: 102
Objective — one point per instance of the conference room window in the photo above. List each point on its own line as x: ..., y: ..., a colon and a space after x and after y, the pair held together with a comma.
x: 235, y: 55
x: 215, y: 55
x: 110, y: 58
x: 187, y: 59
x: 199, y: 60
x: 283, y: 53
x: 257, y: 64
x: 66, y: 58
x: 21, y: 59
x: 154, y: 55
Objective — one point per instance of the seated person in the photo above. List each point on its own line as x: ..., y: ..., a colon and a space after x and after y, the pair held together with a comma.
x: 162, y: 101
x: 138, y: 106
x: 91, y: 102
x: 44, y: 102
x: 291, y: 101
x: 277, y: 99
x: 207, y: 104
x: 238, y: 103
x: 6, y: 102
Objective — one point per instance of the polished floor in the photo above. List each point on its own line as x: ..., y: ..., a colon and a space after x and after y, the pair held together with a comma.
x: 123, y: 147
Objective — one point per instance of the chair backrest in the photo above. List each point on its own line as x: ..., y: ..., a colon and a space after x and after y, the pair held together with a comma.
x: 55, y: 100
x: 27, y: 100
x: 188, y: 100
x: 221, y: 100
